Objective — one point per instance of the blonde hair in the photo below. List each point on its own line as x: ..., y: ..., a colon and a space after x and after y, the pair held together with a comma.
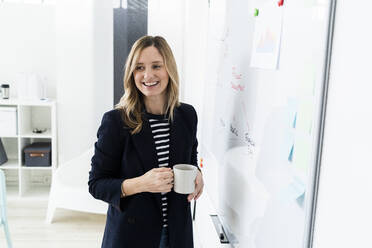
x: 131, y: 103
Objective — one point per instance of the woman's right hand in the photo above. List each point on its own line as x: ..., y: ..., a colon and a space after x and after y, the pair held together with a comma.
x: 158, y: 180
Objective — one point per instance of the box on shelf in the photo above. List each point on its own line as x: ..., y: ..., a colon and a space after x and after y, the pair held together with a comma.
x: 8, y: 121
x: 38, y: 154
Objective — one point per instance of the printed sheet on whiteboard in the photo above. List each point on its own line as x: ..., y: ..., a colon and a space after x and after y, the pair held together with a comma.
x: 267, y: 37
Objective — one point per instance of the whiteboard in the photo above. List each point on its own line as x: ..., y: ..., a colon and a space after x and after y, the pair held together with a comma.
x: 261, y: 128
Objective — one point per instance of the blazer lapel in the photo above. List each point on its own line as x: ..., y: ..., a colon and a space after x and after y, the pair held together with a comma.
x: 177, y: 131
x: 145, y: 146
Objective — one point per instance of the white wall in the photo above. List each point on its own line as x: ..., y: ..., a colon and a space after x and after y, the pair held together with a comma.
x: 71, y: 44
x: 344, y: 212
x: 27, y: 43
x: 195, y: 42
x: 84, y: 72
x: 167, y: 18
x: 184, y: 25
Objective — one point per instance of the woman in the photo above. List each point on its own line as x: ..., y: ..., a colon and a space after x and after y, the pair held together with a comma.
x: 138, y: 143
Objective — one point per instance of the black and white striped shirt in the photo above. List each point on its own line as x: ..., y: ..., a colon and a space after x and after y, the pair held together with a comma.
x: 161, y: 132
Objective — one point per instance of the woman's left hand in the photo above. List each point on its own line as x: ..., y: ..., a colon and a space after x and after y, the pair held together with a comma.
x: 199, y: 185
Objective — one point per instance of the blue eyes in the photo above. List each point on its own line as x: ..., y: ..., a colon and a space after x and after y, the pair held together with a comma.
x: 142, y: 68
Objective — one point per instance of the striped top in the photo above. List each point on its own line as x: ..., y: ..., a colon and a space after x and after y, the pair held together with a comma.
x: 161, y: 133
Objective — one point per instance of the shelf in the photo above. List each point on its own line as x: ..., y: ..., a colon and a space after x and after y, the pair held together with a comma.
x: 15, y: 101
x: 29, y: 134
x: 11, y: 164
x: 8, y: 102
x: 30, y: 181
x: 8, y: 136
x: 36, y: 102
x: 36, y: 167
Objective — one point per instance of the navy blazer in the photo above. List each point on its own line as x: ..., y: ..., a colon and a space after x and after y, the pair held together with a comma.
x: 136, y: 220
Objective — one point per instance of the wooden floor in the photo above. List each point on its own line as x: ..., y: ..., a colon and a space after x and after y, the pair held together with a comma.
x: 27, y: 225
x: 70, y: 229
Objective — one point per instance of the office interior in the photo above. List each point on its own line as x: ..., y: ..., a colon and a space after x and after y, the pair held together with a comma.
x: 63, y: 62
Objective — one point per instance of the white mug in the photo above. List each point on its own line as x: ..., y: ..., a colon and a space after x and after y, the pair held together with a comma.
x: 184, y: 178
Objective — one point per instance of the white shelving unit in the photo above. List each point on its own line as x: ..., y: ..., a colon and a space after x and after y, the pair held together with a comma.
x: 30, y: 114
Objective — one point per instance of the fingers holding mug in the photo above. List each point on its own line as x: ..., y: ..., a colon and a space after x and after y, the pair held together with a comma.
x: 199, y: 185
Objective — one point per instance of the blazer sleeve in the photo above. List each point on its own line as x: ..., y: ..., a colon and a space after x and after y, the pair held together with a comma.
x: 194, y: 154
x: 104, y: 181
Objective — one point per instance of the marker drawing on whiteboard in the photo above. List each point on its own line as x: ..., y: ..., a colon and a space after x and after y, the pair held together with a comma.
x: 250, y: 143
x: 234, y: 130
x: 248, y: 140
x: 236, y: 75
x: 237, y: 87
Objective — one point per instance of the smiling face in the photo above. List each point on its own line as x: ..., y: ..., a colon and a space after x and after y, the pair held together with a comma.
x: 150, y: 74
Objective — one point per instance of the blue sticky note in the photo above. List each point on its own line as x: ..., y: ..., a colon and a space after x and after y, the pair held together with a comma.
x: 294, y: 121
x: 301, y: 200
x: 290, y: 157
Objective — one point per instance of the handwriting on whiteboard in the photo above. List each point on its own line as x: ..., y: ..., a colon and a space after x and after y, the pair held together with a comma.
x: 234, y: 130
x: 236, y: 80
x: 235, y: 74
x: 237, y: 87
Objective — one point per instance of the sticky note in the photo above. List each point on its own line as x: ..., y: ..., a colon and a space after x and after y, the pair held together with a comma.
x: 294, y: 121
x: 290, y: 157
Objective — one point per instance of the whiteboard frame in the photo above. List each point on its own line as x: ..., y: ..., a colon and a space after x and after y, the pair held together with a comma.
x: 311, y: 218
